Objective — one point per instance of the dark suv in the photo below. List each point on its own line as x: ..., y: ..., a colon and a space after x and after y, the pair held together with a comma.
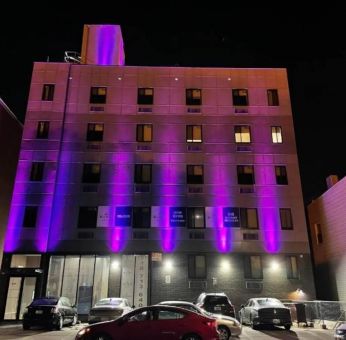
x: 216, y: 303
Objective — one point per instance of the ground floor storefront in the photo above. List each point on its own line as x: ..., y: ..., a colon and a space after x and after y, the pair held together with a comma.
x: 150, y: 278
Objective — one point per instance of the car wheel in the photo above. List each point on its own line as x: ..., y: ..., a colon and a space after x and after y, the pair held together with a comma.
x: 60, y: 323
x: 101, y: 337
x: 191, y: 337
x: 287, y: 327
x: 253, y: 326
x: 224, y: 333
x: 26, y: 326
x: 74, y: 321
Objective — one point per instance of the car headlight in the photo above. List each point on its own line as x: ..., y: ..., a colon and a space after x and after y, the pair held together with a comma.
x: 82, y: 332
x: 340, y: 331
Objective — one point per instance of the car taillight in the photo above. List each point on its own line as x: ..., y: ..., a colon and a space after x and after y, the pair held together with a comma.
x: 210, y: 323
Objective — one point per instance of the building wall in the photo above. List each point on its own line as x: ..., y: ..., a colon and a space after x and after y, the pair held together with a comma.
x: 10, y: 138
x: 329, y: 256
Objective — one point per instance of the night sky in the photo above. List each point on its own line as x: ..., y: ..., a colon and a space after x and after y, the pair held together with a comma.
x: 310, y: 43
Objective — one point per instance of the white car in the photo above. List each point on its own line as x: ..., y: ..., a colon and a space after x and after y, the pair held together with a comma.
x: 109, y: 309
x: 226, y: 325
x: 340, y: 332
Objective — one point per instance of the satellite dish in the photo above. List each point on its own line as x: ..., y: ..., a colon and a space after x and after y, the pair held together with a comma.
x: 72, y: 57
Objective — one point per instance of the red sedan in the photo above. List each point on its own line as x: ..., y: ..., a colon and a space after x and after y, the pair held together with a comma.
x: 155, y: 323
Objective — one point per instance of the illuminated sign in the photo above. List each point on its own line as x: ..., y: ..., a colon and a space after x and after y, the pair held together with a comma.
x: 177, y: 217
x: 231, y: 217
x: 123, y: 216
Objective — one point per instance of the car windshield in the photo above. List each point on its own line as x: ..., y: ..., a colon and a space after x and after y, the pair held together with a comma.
x: 44, y: 301
x: 113, y: 302
x: 217, y: 300
x: 269, y: 301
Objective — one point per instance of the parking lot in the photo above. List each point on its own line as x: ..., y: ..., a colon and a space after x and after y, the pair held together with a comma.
x: 68, y: 333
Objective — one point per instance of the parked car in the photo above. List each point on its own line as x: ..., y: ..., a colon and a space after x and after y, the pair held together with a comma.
x: 52, y: 312
x: 226, y: 325
x: 153, y: 322
x: 217, y: 303
x: 109, y: 309
x: 265, y: 311
x: 340, y: 332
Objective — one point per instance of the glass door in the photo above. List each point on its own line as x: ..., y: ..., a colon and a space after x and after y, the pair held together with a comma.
x: 21, y: 291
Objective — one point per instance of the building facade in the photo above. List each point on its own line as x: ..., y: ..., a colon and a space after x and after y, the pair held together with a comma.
x: 327, y: 229
x: 155, y: 183
x: 10, y: 137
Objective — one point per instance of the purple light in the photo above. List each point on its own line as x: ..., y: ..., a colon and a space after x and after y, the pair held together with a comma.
x: 270, y: 228
x: 118, y: 235
x: 222, y: 235
x: 168, y: 239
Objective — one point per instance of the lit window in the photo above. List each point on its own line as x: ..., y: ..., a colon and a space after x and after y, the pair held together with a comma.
x: 145, y: 96
x: 242, y: 134
x: 194, y: 174
x: 48, y: 92
x: 98, y: 95
x: 144, y: 133
x: 240, y: 97
x: 95, y: 132
x: 193, y: 97
x: 195, y: 218
x: 245, y: 174
x: 194, y: 133
x: 273, y: 97
x: 276, y: 134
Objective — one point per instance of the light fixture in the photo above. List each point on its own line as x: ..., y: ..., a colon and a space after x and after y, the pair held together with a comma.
x: 168, y: 264
x: 115, y: 264
x: 120, y: 78
x: 176, y: 78
x: 274, y: 265
x: 225, y: 265
x: 229, y: 78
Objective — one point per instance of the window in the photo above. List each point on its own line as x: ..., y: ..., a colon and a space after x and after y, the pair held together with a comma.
x: 95, y: 132
x: 276, y: 134
x: 98, y: 95
x: 195, y: 218
x: 318, y: 233
x: 142, y: 173
x: 240, y: 97
x: 42, y: 130
x: 281, y: 175
x: 169, y: 315
x: 242, y: 134
x: 87, y: 217
x: 193, y: 97
x: 144, y: 133
x: 197, y: 267
x: 194, y: 133
x: 91, y: 173
x: 36, y: 174
x: 273, y: 97
x: 194, y: 174
x: 25, y: 261
x: 253, y: 267
x: 141, y: 217
x: 292, y: 267
x: 246, y: 174
x: 30, y: 217
x: 286, y: 219
x: 145, y: 96
x: 248, y: 218
x: 48, y: 92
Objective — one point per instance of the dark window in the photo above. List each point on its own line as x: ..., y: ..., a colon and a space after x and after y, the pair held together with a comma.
x: 194, y: 133
x: 42, y: 130
x: 91, y: 173
x: 169, y: 315
x: 281, y: 175
x: 273, y: 97
x: 276, y: 134
x: 193, y: 97
x: 30, y: 217
x: 95, y: 132
x: 197, y: 267
x: 253, y: 267
x: 286, y: 219
x: 194, y: 174
x: 87, y: 217
x: 145, y: 96
x: 242, y: 134
x: 246, y: 174
x: 240, y: 97
x: 48, y: 92
x: 98, y: 95
x: 195, y: 218
x: 144, y: 133
x: 318, y: 233
x: 143, y: 173
x: 248, y: 218
x: 37, y: 169
x: 141, y: 217
x: 292, y: 267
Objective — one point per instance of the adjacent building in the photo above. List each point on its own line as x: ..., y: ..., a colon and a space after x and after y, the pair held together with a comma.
x: 155, y: 183
x: 327, y: 229
x: 10, y: 137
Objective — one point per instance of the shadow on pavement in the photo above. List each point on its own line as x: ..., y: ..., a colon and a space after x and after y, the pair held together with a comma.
x: 279, y: 333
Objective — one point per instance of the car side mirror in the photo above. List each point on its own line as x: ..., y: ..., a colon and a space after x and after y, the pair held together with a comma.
x: 242, y: 306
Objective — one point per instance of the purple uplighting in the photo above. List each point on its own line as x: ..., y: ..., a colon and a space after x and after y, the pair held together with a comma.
x: 118, y: 238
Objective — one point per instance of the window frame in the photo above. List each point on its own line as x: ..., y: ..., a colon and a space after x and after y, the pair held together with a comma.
x: 191, y: 218
x: 139, y: 173
x: 276, y: 134
x: 88, y: 176
x: 91, y: 217
x: 96, y: 98
x: 273, y: 97
x: 238, y: 135
x: 30, y: 217
x: 281, y: 175
x: 140, y: 133
x: 137, y: 215
x: 48, y: 91
x: 190, y: 134
x: 37, y: 171
x: 244, y: 218
x: 286, y: 219
x: 292, y: 273
x: 94, y: 135
x: 191, y: 177
x: 42, y: 133
x: 243, y: 178
x: 249, y: 271
x: 238, y: 100
x: 191, y: 99
x: 143, y: 98
x: 192, y: 268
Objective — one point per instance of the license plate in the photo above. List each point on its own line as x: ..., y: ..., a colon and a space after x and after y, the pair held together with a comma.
x: 217, y: 308
x: 276, y: 321
x: 39, y: 312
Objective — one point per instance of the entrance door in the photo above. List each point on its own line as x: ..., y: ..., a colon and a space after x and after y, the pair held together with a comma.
x: 21, y: 291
